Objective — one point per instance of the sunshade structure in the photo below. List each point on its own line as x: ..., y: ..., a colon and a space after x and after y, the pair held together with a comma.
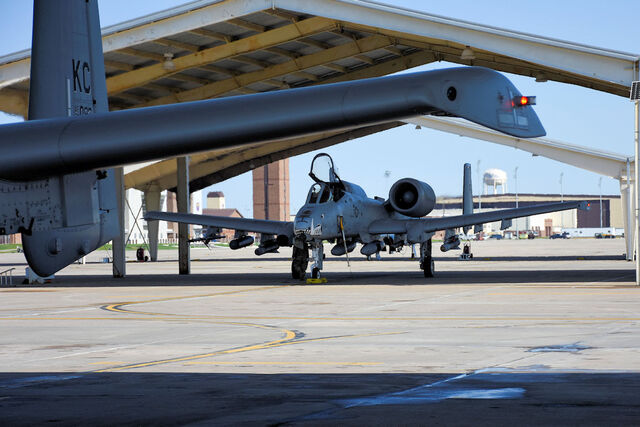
x: 207, y: 49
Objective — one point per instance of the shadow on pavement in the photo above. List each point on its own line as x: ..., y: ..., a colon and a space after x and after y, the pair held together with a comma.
x: 384, y: 277
x: 503, y: 398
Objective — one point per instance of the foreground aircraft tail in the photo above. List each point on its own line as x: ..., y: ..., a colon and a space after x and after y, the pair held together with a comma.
x: 68, y: 80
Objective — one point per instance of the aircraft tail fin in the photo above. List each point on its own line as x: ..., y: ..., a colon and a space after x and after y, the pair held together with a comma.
x: 67, y: 64
x: 68, y: 79
x: 467, y: 194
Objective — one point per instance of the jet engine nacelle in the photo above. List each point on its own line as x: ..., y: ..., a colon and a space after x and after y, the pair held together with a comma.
x: 411, y: 197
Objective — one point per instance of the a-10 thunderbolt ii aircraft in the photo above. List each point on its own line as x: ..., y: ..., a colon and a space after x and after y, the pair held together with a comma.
x: 340, y: 212
x: 57, y: 179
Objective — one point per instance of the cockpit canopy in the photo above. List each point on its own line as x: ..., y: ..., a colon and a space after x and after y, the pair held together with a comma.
x: 322, y: 169
x: 328, y: 186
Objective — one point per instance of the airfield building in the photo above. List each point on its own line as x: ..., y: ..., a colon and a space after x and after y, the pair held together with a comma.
x: 545, y: 224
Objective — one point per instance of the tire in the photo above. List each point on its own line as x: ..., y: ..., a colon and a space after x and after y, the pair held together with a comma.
x: 299, y: 263
x: 429, y: 267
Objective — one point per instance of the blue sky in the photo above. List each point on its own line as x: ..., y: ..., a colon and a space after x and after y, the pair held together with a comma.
x: 569, y: 113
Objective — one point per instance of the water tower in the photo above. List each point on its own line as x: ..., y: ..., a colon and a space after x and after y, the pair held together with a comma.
x: 495, y: 178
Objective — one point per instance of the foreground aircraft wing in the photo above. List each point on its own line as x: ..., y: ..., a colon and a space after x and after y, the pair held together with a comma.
x: 427, y: 225
x: 264, y: 226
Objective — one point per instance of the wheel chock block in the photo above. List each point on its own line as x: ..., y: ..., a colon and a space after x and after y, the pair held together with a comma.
x: 316, y: 281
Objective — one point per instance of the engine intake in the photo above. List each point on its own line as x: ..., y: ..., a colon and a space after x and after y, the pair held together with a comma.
x: 411, y: 197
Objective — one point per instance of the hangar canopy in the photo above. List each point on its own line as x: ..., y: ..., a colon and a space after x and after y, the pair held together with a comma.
x: 207, y: 49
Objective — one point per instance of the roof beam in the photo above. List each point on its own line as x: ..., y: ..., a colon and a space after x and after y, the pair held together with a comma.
x: 267, y: 39
x: 246, y: 160
x: 119, y: 65
x: 14, y: 101
x: 389, y: 66
x: 601, y: 162
x: 215, y: 166
x: 248, y: 25
x: 282, y: 14
x: 177, y: 45
x: 142, y: 54
x: 612, y: 72
x: 187, y: 78
x: 213, y: 35
x: 304, y: 62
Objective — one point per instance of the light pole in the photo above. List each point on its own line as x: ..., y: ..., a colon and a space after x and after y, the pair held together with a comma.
x: 561, y: 200
x: 600, y: 185
x: 479, y: 186
x: 515, y: 175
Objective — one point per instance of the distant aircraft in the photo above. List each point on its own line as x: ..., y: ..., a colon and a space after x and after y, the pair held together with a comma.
x: 56, y: 178
x: 340, y: 212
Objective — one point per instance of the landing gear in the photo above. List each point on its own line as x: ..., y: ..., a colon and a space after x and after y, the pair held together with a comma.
x: 426, y: 261
x: 317, y: 252
x: 300, y: 261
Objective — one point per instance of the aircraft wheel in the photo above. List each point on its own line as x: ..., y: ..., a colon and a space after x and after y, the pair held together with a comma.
x: 315, y: 273
x: 429, y: 268
x: 299, y: 263
x: 297, y: 272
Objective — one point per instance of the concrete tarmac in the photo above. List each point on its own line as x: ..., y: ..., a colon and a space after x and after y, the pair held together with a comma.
x: 529, y: 332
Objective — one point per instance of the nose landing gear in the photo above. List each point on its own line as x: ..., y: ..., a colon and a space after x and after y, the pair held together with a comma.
x: 300, y: 261
x: 317, y: 251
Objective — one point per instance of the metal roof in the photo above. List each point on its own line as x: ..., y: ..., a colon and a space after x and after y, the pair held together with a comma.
x: 207, y: 49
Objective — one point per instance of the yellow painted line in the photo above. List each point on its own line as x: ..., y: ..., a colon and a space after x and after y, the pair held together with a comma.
x: 289, y: 335
x: 116, y: 307
x: 287, y: 340
x: 288, y: 363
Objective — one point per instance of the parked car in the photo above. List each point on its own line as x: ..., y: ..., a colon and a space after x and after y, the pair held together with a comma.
x: 496, y: 236
x: 604, y: 236
x: 564, y: 235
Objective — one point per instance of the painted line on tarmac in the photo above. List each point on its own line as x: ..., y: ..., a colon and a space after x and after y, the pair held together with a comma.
x: 288, y: 336
x: 117, y: 307
x: 289, y: 339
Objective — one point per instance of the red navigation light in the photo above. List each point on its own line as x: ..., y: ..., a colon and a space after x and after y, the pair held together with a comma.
x: 523, y: 101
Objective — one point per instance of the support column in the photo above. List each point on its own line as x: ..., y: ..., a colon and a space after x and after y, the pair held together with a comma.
x: 152, y: 203
x: 627, y: 215
x: 182, y: 196
x: 637, y: 193
x: 119, y: 247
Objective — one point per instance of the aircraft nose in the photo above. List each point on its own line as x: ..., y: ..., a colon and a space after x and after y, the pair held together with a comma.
x: 302, y: 225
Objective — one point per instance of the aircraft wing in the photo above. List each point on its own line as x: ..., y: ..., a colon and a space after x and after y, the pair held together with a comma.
x: 427, y: 225
x: 244, y: 224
